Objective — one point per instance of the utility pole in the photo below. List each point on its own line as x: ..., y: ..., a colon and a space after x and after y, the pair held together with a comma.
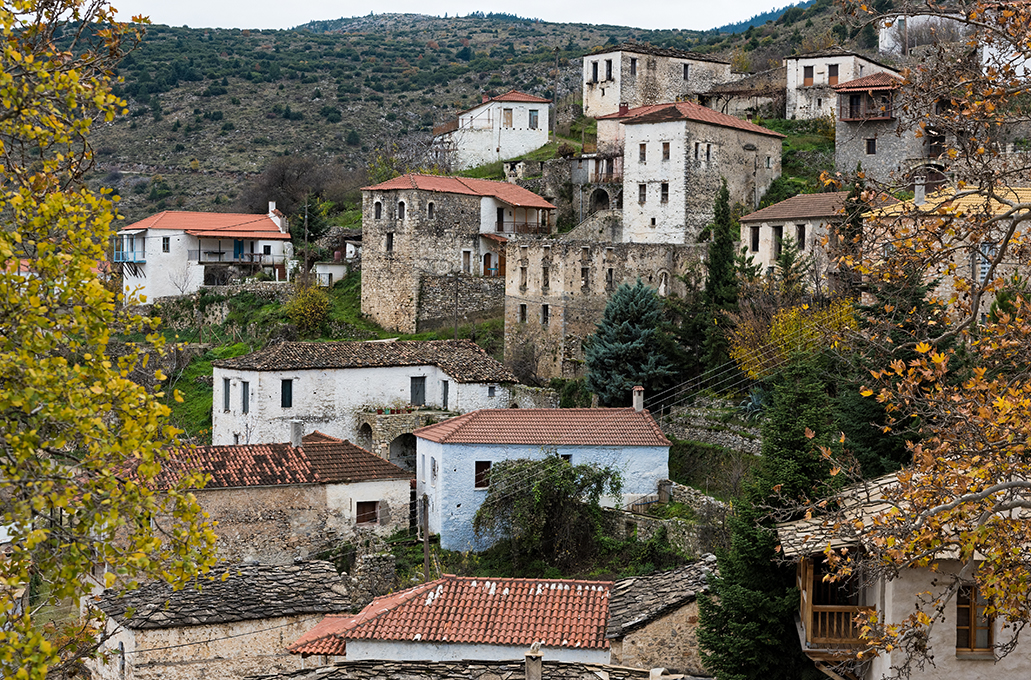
x: 554, y: 102
x: 456, y: 305
x: 425, y: 537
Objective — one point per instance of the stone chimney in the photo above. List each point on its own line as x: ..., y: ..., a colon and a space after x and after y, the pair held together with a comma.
x: 276, y: 217
x: 653, y: 674
x: 486, y: 97
x: 623, y: 108
x: 296, y: 432
x: 638, y: 398
x: 534, y: 663
x: 919, y: 190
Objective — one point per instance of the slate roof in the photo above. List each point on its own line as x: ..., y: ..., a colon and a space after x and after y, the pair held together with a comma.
x: 212, y: 225
x: 639, y: 600
x: 320, y: 459
x: 663, y: 113
x: 513, y: 194
x: 465, y: 669
x: 474, y: 610
x: 543, y: 427
x: 874, y: 81
x: 249, y: 592
x: 646, y: 48
x: 463, y: 360
x: 802, y: 206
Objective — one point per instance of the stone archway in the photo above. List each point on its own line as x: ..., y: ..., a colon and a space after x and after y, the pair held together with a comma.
x: 599, y: 200
x: 364, y: 438
x: 402, y: 451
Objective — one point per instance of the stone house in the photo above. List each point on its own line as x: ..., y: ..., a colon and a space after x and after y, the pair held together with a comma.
x: 454, y: 457
x: 277, y: 503
x: 501, y: 127
x: 457, y: 617
x: 227, y: 628
x: 556, y: 292
x: 653, y: 620
x: 675, y: 158
x: 331, y: 386
x: 812, y: 78
x: 638, y: 74
x: 434, y: 247
x: 761, y: 94
x: 175, y: 252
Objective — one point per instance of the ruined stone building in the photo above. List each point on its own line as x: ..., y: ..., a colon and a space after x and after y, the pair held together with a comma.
x: 761, y: 94
x: 501, y: 127
x: 556, y: 292
x: 812, y: 77
x: 637, y: 74
x: 433, y: 248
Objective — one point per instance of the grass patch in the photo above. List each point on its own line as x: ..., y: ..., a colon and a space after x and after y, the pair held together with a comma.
x: 712, y: 469
x: 193, y: 414
x: 808, y: 149
x: 495, y: 171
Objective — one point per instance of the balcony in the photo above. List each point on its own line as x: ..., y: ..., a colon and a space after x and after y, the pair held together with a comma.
x: 521, y: 228
x: 606, y: 177
x: 229, y: 257
x: 138, y: 257
x: 835, y: 625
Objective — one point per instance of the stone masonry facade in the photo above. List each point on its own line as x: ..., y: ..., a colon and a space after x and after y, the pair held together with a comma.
x: 478, y: 298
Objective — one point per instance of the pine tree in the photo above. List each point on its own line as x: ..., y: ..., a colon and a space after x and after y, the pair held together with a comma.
x: 747, y: 618
x: 721, y: 287
x: 630, y: 347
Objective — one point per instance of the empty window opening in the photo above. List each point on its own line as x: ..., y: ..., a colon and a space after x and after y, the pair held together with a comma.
x: 665, y: 151
x: 429, y: 210
x: 286, y: 393
x: 482, y: 474
x: 633, y: 66
x: 608, y: 69
x: 491, y: 391
x: 800, y: 236
x: 584, y: 274
x: 609, y: 277
x: 664, y: 193
x: 687, y: 71
x: 708, y: 152
x: 545, y: 277
x: 545, y: 315
x: 696, y: 145
x: 467, y: 261
x: 653, y: 221
x: 225, y: 394
x: 245, y: 397
x: 390, y: 241
x: 755, y: 239
x: 871, y: 146
x: 778, y: 239
x: 522, y: 277
x: 522, y: 313
x: 568, y: 457
x: 642, y: 192
x: 400, y: 210
x: 367, y: 512
x: 594, y: 71
x: 266, y: 250
x: 378, y: 210
x: 642, y: 152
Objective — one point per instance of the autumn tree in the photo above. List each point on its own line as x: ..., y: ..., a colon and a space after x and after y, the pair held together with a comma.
x: 80, y: 443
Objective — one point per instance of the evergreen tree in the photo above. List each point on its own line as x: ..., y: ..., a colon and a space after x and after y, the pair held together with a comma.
x: 630, y: 347
x: 721, y: 287
x: 747, y: 618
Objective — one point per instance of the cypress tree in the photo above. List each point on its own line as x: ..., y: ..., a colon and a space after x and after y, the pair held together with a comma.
x: 721, y: 289
x: 747, y: 618
x: 629, y: 347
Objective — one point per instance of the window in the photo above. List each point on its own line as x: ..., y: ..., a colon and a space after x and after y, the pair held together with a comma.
x: 266, y: 250
x: 467, y: 261
x: 522, y: 277
x: 418, y: 390
x: 568, y: 457
x: 708, y: 152
x: 482, y: 474
x: 545, y: 315
x: 444, y: 390
x: 492, y: 391
x: 236, y: 439
x: 286, y: 393
x: 608, y: 69
x: 166, y: 244
x: 800, y: 236
x: 664, y: 193
x: 545, y: 277
x: 367, y: 512
x: 871, y: 146
x: 633, y: 66
x: 832, y: 74
x: 429, y: 210
x: 594, y: 71
x: 506, y: 117
x: 534, y: 119
x: 986, y: 253
x: 642, y: 192
x: 769, y: 162
x: 819, y: 103
x: 245, y: 397
x: 755, y: 239
x: 665, y: 151
x: 585, y: 272
x: 390, y: 241
x: 433, y: 471
x: 522, y: 313
x: 225, y: 394
x: 778, y: 239
x: 807, y: 75
x: 696, y: 145
x: 687, y: 71
x: 378, y: 210
x: 400, y: 210
x: 973, y: 628
x: 609, y: 278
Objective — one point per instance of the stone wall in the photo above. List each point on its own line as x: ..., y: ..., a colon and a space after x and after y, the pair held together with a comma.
x: 479, y: 298
x: 671, y: 641
x: 680, y: 534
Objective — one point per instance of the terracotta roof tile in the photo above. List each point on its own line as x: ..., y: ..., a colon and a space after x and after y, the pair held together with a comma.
x: 317, y: 461
x: 517, y: 96
x: 874, y: 81
x: 475, y: 610
x: 661, y: 113
x: 212, y: 225
x: 799, y: 207
x: 463, y: 360
x: 543, y: 427
x: 512, y: 194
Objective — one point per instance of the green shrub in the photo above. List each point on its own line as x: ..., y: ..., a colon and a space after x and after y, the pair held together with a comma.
x: 309, y: 309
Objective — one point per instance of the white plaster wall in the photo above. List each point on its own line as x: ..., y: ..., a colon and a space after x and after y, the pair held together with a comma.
x: 604, y: 97
x: 669, y: 216
x: 482, y: 137
x: 396, y: 650
x: 454, y: 498
x: 815, y: 232
x: 610, y: 136
x: 802, y: 100
x: 328, y: 400
x: 489, y: 215
x: 394, y: 494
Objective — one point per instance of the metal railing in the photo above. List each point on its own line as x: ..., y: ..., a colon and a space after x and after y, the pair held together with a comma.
x: 228, y: 256
x: 130, y: 256
x: 521, y: 228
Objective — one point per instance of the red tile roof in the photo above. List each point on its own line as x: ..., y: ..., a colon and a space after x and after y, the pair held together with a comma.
x: 694, y: 112
x: 319, y: 460
x: 212, y: 225
x: 802, y: 206
x: 543, y: 427
x: 517, y: 96
x: 512, y: 194
x: 456, y: 609
x: 463, y: 360
x: 874, y: 81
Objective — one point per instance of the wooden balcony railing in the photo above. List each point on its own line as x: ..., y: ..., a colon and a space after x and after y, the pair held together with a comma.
x: 835, y: 624
x: 522, y: 228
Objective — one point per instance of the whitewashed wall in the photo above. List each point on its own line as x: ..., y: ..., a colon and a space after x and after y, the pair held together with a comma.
x: 483, y: 138
x: 396, y: 650
x: 820, y: 99
x: 653, y: 171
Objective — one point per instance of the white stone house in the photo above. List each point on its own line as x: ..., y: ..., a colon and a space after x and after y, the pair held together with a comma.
x: 637, y: 74
x: 501, y: 127
x: 228, y: 628
x: 176, y: 253
x: 456, y: 618
x: 454, y: 457
x: 811, y: 79
x: 278, y: 503
x: 675, y: 158
x: 327, y: 385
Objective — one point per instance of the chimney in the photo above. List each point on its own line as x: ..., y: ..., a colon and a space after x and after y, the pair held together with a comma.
x: 296, y: 432
x: 623, y: 108
x: 638, y: 398
x: 486, y: 97
x: 271, y: 207
x: 534, y: 663
x: 653, y: 674
x: 919, y: 190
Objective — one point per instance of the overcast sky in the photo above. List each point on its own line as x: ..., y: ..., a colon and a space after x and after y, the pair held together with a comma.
x: 685, y: 14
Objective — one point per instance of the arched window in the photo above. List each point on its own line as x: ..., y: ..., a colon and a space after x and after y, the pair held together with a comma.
x: 379, y: 210
x: 400, y: 210
x: 429, y: 210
